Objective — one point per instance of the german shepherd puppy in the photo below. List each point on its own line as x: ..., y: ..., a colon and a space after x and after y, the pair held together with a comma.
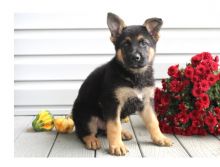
x: 120, y: 87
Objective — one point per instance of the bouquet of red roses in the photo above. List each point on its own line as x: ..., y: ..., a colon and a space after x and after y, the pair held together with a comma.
x: 189, y: 101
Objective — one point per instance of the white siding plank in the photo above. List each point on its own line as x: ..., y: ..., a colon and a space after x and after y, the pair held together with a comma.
x: 79, y: 67
x: 45, y: 97
x: 31, y: 72
x: 52, y: 71
x: 45, y: 93
x: 151, y: 150
x: 185, y: 13
x: 97, y: 42
x: 201, y: 146
x: 76, y: 34
x: 81, y: 59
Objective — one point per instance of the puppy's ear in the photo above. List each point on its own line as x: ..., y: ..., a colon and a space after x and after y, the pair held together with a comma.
x: 153, y: 26
x: 115, y: 25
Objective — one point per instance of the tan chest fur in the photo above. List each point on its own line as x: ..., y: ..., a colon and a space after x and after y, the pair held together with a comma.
x: 123, y: 93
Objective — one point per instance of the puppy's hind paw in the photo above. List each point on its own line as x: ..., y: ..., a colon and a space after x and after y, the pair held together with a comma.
x: 126, y: 135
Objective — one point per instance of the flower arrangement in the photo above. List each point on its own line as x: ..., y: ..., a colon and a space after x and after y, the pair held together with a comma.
x: 189, y: 101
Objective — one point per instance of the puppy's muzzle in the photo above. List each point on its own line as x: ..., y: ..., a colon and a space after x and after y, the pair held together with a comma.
x: 136, y: 57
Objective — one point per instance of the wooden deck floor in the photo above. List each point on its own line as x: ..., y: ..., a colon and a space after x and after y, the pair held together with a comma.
x: 51, y: 144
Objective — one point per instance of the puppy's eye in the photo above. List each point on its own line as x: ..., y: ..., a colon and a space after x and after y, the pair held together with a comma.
x: 126, y: 43
x: 143, y: 43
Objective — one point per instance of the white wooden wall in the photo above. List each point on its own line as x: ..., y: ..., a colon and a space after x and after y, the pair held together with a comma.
x: 54, y: 52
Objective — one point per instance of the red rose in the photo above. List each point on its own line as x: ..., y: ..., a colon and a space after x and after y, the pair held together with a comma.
x: 210, y: 120
x: 199, y: 105
x: 184, y: 118
x: 181, y: 118
x: 210, y: 64
x: 165, y: 99
x: 195, y: 123
x: 196, y: 91
x: 196, y: 59
x: 204, y: 85
x: 195, y: 78
x: 173, y: 71
x: 189, y: 72
x: 211, y: 78
x: 176, y: 86
x: 200, y: 69
x: 205, y: 100
x: 216, y: 59
x: 207, y: 56
x: 217, y: 110
x: 213, y: 66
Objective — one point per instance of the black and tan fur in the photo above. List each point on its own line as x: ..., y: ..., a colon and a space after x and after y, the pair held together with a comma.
x: 121, y: 87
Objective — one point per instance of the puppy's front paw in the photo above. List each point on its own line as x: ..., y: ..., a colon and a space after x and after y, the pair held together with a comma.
x: 92, y: 143
x: 162, y: 141
x: 118, y: 149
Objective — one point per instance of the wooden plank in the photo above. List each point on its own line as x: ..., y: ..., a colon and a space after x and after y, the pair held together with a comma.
x: 201, y: 146
x: 68, y: 145
x: 20, y: 125
x: 131, y: 144
x: 40, y: 43
x: 33, y: 144
x: 148, y: 148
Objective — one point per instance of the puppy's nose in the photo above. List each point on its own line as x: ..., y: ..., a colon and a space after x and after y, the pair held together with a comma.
x: 136, y: 57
